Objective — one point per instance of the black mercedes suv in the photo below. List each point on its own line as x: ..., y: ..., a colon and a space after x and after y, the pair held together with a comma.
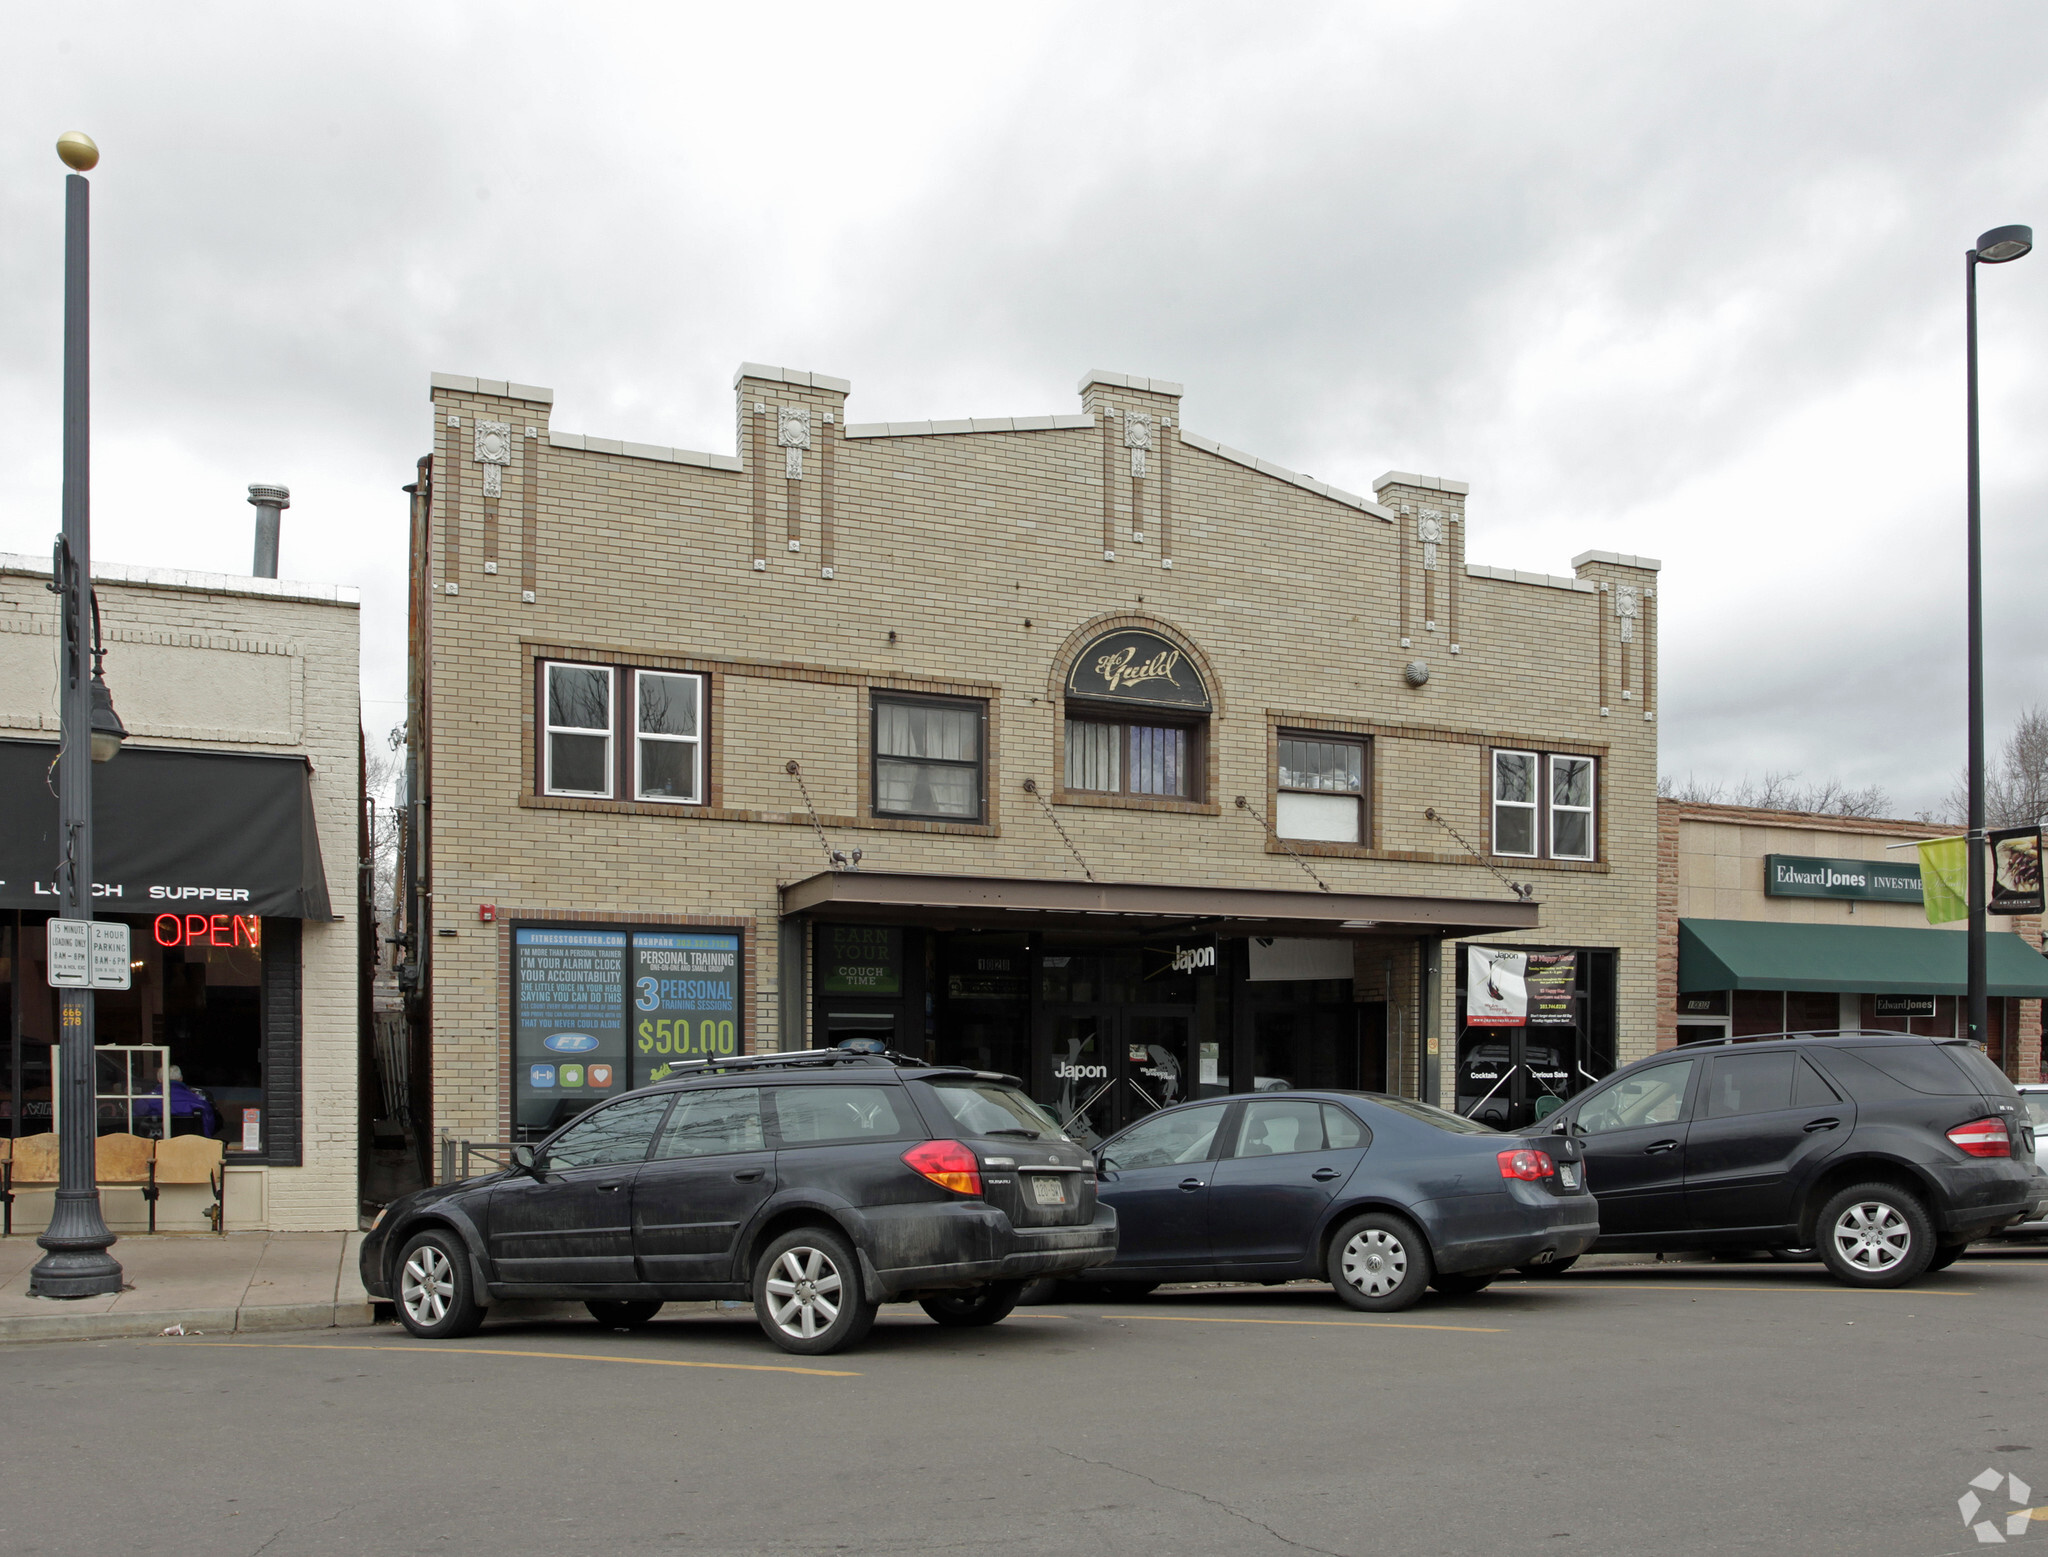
x: 819, y: 1184
x: 1887, y: 1153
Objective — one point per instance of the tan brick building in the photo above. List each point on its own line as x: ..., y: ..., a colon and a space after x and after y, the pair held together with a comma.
x: 1777, y: 921
x: 1079, y: 746
x: 226, y: 839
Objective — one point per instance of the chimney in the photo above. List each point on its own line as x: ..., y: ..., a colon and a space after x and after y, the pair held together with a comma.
x: 269, y: 502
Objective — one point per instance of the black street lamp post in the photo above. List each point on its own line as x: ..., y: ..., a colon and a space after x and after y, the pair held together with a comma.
x: 1996, y: 247
x: 77, y: 1263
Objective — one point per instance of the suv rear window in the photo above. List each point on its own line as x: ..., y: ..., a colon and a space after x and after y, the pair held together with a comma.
x: 1978, y: 1067
x: 1924, y: 1067
x: 993, y: 1108
x: 816, y: 1116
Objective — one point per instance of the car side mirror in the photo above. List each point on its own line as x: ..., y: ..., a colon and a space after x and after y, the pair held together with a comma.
x: 523, y: 1159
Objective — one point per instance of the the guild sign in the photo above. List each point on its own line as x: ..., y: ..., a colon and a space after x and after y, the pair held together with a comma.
x: 1067, y: 1070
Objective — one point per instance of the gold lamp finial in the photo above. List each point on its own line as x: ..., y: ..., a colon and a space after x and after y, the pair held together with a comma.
x: 79, y: 152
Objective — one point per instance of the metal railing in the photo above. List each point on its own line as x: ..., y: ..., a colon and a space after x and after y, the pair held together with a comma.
x: 457, y: 1158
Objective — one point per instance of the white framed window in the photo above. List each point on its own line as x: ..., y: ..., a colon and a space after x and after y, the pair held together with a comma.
x: 668, y: 740
x: 1322, y: 789
x: 577, y: 743
x: 1571, y: 808
x: 1514, y: 802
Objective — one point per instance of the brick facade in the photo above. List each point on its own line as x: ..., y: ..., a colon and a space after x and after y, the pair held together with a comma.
x: 1710, y: 865
x: 221, y: 663
x: 973, y: 558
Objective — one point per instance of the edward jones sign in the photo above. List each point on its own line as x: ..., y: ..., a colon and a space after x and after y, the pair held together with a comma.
x: 1876, y: 881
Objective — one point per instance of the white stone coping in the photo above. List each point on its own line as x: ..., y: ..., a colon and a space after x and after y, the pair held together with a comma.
x: 1582, y: 586
x: 1281, y: 472
x: 1156, y: 386
x: 975, y: 424
x: 503, y: 388
x: 794, y: 376
x: 210, y: 583
x: 1403, y: 478
x: 1620, y: 559
x: 642, y: 451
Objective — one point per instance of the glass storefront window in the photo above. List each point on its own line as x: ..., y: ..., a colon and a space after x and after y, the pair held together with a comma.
x: 196, y: 990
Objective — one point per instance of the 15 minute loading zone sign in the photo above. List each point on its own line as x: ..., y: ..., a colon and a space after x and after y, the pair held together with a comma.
x: 87, y: 954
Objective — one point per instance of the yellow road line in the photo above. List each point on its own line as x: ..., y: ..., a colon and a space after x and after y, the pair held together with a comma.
x: 1374, y: 1324
x: 491, y: 1351
x: 1661, y: 1286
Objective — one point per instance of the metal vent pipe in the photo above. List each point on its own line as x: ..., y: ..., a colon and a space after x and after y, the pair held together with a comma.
x: 269, y: 502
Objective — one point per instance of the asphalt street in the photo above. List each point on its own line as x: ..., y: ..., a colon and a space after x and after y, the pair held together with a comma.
x: 1667, y: 1409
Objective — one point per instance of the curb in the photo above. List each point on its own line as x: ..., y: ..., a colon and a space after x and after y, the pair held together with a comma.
x: 211, y: 1321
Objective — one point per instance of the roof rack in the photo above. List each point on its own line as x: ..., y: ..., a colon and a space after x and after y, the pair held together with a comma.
x: 1822, y: 1032
x: 683, y: 1069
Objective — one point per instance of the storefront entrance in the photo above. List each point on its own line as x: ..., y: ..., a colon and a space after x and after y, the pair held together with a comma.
x: 1535, y: 1027
x: 1111, y: 1065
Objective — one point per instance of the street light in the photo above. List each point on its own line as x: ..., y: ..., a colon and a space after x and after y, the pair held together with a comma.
x: 76, y: 1263
x: 1996, y: 247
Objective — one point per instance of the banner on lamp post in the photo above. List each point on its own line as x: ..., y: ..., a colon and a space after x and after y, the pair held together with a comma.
x: 1945, y: 878
x: 2015, y: 871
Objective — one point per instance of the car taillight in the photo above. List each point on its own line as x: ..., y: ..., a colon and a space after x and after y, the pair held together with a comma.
x: 1526, y: 1163
x: 947, y: 1164
x: 1983, y: 1137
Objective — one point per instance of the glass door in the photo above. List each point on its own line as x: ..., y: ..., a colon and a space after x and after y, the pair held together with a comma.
x: 1111, y: 1066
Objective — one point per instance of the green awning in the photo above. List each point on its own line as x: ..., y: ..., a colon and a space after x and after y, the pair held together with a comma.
x: 1861, y: 959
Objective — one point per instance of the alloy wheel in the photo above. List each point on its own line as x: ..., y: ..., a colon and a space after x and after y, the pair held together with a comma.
x: 1375, y: 1262
x: 1872, y: 1237
x: 804, y: 1292
x: 427, y: 1286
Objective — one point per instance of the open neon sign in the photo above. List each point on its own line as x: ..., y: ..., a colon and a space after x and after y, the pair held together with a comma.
x: 228, y: 930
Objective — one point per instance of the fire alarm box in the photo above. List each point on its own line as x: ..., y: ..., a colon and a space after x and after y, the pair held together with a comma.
x: 487, y: 912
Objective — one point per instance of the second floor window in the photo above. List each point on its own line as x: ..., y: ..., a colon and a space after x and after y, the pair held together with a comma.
x: 928, y: 759
x: 578, y: 700
x: 1322, y: 790
x: 667, y: 736
x: 1113, y: 758
x: 651, y: 748
x: 1544, y: 805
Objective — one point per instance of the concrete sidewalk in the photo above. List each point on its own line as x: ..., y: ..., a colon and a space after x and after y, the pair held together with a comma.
x: 243, y: 1281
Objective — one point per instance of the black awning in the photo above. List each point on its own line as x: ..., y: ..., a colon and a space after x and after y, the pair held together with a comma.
x: 183, y: 830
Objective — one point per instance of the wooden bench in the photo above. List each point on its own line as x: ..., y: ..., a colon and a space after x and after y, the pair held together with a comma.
x: 193, y: 1160
x: 124, y: 1162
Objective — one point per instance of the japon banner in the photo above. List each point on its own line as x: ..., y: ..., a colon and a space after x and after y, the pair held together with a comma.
x: 2015, y: 871
x: 1496, y: 987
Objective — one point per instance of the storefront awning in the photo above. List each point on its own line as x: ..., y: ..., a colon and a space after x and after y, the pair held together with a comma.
x: 190, y: 831
x: 1715, y: 954
x: 1023, y: 903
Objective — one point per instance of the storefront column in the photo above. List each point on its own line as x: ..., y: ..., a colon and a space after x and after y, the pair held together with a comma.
x: 1428, y: 1022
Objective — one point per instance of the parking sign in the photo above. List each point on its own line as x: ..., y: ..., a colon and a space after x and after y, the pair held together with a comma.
x: 87, y: 954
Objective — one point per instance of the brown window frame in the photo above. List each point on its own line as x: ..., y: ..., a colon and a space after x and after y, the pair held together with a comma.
x: 979, y: 706
x: 1123, y: 719
x: 1363, y: 794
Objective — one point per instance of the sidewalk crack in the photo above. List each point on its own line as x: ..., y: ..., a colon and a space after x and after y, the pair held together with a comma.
x: 1201, y: 1497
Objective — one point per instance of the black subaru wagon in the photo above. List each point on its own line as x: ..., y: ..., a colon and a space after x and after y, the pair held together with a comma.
x: 820, y: 1184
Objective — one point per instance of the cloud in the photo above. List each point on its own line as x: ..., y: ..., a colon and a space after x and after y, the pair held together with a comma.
x: 1678, y: 281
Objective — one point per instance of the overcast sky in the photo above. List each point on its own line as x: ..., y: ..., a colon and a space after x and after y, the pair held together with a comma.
x: 1675, y: 280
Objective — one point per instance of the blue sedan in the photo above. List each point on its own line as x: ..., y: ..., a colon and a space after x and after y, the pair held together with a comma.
x: 1380, y: 1196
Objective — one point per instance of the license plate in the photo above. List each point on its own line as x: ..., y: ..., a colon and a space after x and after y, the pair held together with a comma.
x: 1568, y: 1174
x: 1048, y: 1190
